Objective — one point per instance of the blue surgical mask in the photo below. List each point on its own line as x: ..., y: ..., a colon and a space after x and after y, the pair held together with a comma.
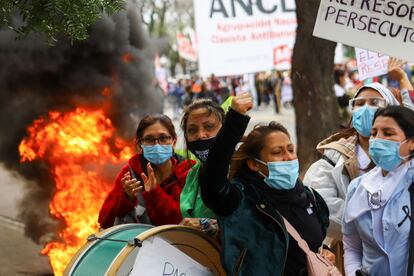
x: 282, y: 174
x: 386, y: 154
x: 362, y: 119
x: 157, y: 154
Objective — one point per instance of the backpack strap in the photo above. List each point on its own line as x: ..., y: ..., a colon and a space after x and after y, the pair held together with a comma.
x: 411, y: 237
x: 292, y: 231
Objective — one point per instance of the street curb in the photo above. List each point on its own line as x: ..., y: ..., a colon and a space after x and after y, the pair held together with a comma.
x: 12, y: 223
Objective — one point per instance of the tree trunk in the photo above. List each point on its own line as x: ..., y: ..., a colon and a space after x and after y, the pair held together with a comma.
x: 312, y: 82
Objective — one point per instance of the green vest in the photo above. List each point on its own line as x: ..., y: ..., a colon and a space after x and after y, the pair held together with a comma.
x: 191, y: 204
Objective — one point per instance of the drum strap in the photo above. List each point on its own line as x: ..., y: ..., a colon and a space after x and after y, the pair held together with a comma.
x: 133, y: 242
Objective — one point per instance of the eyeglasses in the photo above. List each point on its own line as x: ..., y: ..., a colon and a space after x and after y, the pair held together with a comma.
x: 370, y: 101
x: 162, y: 140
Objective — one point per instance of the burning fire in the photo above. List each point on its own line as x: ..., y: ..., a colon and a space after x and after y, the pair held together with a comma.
x: 75, y: 145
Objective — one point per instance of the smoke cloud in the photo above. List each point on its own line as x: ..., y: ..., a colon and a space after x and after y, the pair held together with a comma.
x: 36, y: 78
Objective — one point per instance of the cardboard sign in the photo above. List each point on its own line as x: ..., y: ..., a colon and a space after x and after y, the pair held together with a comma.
x: 383, y: 26
x: 239, y: 36
x: 157, y: 257
x: 370, y: 64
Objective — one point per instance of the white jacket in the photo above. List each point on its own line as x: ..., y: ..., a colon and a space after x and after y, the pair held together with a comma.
x: 331, y: 177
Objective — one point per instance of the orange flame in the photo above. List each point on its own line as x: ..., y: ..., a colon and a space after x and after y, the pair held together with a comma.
x: 127, y: 58
x: 76, y: 145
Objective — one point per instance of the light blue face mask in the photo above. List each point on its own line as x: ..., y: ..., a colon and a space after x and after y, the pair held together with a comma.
x: 386, y: 154
x: 362, y: 119
x: 282, y: 174
x: 157, y: 154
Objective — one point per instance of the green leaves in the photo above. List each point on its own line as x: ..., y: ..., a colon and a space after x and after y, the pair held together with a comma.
x: 70, y: 18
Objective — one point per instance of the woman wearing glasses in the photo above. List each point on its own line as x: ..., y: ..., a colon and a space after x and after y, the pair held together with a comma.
x: 345, y: 154
x: 148, y: 188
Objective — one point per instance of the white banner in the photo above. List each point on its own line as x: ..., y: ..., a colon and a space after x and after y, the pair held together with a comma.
x: 370, y: 64
x: 157, y: 257
x: 383, y: 26
x: 243, y: 36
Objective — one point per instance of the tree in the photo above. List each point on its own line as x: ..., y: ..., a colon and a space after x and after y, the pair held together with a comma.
x: 55, y: 17
x: 312, y: 81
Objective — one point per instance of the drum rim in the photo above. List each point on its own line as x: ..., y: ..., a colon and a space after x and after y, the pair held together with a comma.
x: 74, y: 261
x: 123, y: 254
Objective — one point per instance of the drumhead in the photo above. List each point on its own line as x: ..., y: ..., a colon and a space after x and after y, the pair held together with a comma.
x: 194, y: 243
x: 96, y: 256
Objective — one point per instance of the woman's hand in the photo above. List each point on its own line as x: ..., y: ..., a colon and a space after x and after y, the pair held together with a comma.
x: 395, y: 70
x: 131, y: 186
x: 150, y: 181
x: 242, y: 103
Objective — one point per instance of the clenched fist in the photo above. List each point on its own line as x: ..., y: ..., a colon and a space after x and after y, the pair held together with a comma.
x: 242, y: 103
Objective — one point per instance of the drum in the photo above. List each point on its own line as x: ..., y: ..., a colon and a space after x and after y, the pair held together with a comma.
x: 110, y: 257
x: 97, y: 255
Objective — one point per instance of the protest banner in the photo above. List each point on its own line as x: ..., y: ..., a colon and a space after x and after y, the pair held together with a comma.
x: 370, y: 64
x: 159, y: 258
x: 237, y: 37
x: 383, y: 26
x: 185, y: 47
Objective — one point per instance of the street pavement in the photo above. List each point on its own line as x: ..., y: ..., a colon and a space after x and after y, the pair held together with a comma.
x: 20, y: 256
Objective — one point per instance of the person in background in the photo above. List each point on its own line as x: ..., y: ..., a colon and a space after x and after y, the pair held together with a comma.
x: 345, y: 154
x: 148, y: 188
x: 376, y: 224
x: 263, y: 187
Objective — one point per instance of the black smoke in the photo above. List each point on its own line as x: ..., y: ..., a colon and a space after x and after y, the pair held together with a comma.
x: 36, y: 78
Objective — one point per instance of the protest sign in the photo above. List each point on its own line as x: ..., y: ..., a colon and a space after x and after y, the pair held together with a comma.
x: 370, y: 64
x: 237, y: 37
x: 383, y: 26
x: 159, y: 258
x: 186, y: 47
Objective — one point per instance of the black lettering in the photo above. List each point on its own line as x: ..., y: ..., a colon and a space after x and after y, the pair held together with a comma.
x: 352, y: 3
x: 412, y: 13
x: 246, y: 7
x: 362, y: 22
x: 412, y: 37
x: 352, y: 17
x: 330, y: 10
x: 170, y: 266
x: 406, y: 32
x: 221, y: 9
x: 377, y: 5
x: 263, y: 10
x: 373, y: 21
x: 339, y: 15
x: 384, y: 34
x: 397, y: 32
x: 366, y: 2
x: 287, y: 9
x: 391, y: 5
x: 343, y: 2
x: 400, y: 13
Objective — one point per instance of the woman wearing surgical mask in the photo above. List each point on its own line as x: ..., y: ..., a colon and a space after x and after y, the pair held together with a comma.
x: 149, y: 186
x: 377, y: 222
x: 264, y: 186
x: 345, y: 154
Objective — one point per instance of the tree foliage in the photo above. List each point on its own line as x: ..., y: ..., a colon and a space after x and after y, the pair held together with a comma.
x: 70, y: 18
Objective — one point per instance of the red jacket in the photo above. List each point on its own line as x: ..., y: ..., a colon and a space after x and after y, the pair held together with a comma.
x: 162, y: 204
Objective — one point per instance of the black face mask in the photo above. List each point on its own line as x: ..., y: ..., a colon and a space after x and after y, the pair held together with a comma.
x: 200, y: 148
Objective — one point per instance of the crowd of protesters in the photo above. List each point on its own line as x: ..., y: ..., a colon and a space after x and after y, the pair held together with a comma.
x: 353, y: 206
